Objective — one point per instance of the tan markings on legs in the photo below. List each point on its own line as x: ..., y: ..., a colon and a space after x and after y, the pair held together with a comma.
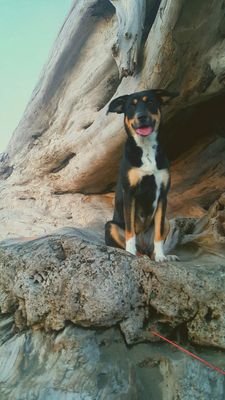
x: 159, y: 234
x: 118, y: 235
x: 161, y: 231
x: 129, y: 214
x: 129, y: 235
x: 166, y: 228
x: 159, y: 224
x: 129, y: 217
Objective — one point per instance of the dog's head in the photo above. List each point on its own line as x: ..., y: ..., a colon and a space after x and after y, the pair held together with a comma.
x: 141, y: 110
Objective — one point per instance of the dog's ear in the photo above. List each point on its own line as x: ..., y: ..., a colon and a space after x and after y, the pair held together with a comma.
x: 117, y: 105
x: 164, y: 96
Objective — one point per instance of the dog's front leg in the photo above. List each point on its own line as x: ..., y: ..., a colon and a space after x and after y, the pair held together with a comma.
x: 160, y: 233
x: 129, y: 217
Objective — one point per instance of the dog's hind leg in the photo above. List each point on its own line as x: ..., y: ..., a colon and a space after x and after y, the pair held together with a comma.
x: 129, y: 216
x: 114, y: 235
x: 161, y: 231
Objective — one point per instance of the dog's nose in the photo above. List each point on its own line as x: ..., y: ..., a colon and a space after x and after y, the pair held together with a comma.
x: 142, y: 117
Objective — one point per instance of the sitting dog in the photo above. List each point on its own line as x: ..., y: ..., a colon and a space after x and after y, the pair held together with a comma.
x: 144, y: 180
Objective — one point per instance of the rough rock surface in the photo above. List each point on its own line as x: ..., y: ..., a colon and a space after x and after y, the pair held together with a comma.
x: 77, y: 364
x: 65, y: 277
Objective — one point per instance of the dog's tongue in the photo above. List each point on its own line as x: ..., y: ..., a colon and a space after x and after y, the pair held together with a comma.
x: 144, y: 131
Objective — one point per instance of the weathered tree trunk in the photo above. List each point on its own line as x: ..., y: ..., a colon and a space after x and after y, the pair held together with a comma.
x: 131, y: 16
x: 65, y: 137
x: 62, y: 156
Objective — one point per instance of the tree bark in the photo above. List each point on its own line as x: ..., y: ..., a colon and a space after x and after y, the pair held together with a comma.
x: 160, y: 64
x: 130, y: 15
x: 65, y: 137
x: 66, y: 144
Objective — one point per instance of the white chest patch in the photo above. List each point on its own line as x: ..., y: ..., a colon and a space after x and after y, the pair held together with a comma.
x: 149, y: 159
x: 149, y: 147
x: 149, y: 167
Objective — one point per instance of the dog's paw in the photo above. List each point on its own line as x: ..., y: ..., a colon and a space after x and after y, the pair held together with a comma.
x: 131, y: 246
x: 163, y: 258
x: 160, y: 258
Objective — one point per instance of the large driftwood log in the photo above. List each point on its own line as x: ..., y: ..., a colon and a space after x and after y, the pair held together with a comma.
x: 67, y: 106
x: 65, y: 138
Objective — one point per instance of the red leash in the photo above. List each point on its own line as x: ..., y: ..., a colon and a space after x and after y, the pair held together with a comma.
x: 221, y: 371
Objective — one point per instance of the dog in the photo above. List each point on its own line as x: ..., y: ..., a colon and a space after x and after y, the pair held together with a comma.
x: 144, y: 179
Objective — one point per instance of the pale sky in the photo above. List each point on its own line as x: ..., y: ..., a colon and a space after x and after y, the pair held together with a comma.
x: 28, y: 29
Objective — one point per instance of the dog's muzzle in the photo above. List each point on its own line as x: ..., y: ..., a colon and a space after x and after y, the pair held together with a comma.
x: 143, y: 125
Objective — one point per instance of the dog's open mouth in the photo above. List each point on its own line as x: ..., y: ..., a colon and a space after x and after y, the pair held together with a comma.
x: 144, y: 130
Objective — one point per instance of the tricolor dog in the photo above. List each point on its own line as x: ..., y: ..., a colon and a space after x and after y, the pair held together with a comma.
x: 144, y: 179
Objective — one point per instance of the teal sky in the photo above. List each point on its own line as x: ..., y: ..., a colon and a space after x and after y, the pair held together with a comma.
x: 28, y: 29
